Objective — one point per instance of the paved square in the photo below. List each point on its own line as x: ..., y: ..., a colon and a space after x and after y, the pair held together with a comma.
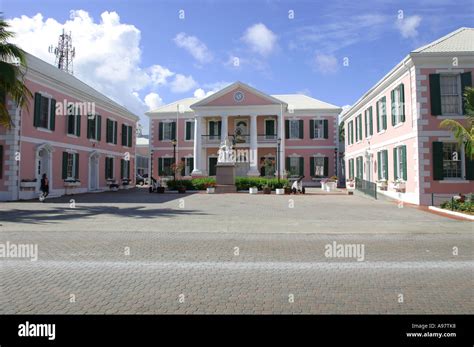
x: 135, y: 252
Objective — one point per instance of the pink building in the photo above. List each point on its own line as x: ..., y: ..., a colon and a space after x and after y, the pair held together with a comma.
x: 79, y: 138
x: 256, y: 122
x: 393, y: 134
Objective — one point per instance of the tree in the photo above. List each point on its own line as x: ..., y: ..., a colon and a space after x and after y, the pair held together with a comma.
x: 464, y: 133
x: 12, y: 83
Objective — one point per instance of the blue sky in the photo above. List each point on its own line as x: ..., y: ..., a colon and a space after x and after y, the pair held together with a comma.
x: 144, y: 54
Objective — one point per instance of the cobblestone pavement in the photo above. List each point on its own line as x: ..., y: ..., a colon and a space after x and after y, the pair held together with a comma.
x: 134, y: 252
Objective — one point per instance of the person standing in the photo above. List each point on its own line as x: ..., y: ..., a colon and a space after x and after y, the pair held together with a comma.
x: 44, y: 187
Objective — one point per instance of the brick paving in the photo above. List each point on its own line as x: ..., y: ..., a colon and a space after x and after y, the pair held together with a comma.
x: 235, y: 253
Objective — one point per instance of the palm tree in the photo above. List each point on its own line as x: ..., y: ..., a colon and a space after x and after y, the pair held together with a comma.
x: 464, y: 133
x: 12, y: 65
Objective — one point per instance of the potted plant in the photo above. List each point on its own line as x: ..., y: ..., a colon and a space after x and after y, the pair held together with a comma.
x: 399, y: 185
x: 287, y: 189
x: 267, y: 189
x: 253, y: 190
x: 181, y: 188
x: 382, y: 184
x: 210, y: 187
x: 331, y: 183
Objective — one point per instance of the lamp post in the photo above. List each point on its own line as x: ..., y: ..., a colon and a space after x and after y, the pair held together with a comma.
x: 278, y: 158
x: 174, y: 142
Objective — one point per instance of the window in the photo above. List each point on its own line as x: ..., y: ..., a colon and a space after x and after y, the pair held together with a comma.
x: 124, y: 169
x: 215, y: 130
x: 127, y: 135
x: 295, y: 166
x: 400, y: 163
x: 189, y: 134
x: 359, y: 167
x: 382, y: 114
x: 358, y: 128
x: 398, y: 105
x: 319, y: 166
x: 212, y: 166
x: 350, y: 132
x: 270, y: 129
x: 165, y: 166
x: 188, y: 166
x: 44, y: 112
x: 294, y: 129
x: 382, y: 165
x: 109, y: 168
x: 111, y: 134
x: 70, y: 166
x: 450, y: 94
x: 369, y: 129
x: 452, y: 161
x: 318, y: 127
x: 351, y: 168
x: 73, y: 120
x: 167, y: 131
x: 94, y: 127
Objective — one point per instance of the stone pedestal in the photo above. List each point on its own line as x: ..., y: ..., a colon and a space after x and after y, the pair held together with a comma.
x: 225, y: 178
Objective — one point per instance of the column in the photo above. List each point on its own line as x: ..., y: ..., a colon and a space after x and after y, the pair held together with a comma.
x: 197, y: 146
x: 254, y: 171
x: 224, y: 129
x: 281, y: 136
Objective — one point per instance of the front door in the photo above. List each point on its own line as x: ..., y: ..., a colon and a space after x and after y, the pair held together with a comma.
x: 44, y: 163
x: 93, y: 164
x: 212, y: 166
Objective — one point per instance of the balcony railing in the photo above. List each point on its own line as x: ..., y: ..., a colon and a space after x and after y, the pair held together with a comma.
x: 265, y: 138
x: 210, y: 139
x: 238, y: 139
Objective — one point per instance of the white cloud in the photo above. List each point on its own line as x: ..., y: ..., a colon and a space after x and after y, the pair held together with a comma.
x: 326, y: 63
x: 194, y: 46
x: 211, y: 89
x: 153, y: 101
x: 408, y: 26
x: 260, y: 39
x: 199, y: 93
x: 159, y: 74
x: 182, y: 84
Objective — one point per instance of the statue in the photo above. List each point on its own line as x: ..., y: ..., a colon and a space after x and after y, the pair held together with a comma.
x: 226, y: 152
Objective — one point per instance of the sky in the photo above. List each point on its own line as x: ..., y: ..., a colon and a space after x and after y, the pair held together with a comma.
x: 145, y: 53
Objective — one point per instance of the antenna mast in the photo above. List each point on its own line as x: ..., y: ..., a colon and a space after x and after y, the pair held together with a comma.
x: 64, y: 53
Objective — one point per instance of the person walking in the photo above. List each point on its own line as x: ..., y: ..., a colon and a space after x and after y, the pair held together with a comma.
x: 44, y: 188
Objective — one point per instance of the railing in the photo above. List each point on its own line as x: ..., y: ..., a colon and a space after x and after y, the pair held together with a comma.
x: 267, y: 138
x: 449, y: 201
x: 366, y: 187
x: 236, y: 139
x: 210, y: 139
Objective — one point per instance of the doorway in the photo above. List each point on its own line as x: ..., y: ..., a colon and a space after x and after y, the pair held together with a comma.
x: 94, y: 171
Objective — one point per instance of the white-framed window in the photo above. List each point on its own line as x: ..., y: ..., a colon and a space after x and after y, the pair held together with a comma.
x: 168, y: 131
x: 165, y: 166
x: 111, y: 131
x: 294, y: 129
x: 350, y: 132
x: 73, y: 123
x: 189, y: 131
x: 294, y: 166
x: 188, y: 166
x: 319, y: 166
x: 94, y: 126
x: 45, y: 111
x: 400, y: 162
x: 318, y: 129
x: 358, y: 128
x: 450, y: 88
x: 270, y: 129
x: 452, y: 160
x: 398, y: 107
x: 382, y: 114
x: 71, y: 165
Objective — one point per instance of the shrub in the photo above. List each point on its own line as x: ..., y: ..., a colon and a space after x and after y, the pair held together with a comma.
x: 203, y: 183
x: 244, y: 183
x: 173, y: 185
x: 467, y: 206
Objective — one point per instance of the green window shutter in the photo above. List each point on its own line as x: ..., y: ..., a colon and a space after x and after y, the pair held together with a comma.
x: 366, y: 123
x: 191, y: 163
x: 326, y: 166
x: 99, y: 127
x: 52, y: 115
x: 384, y: 115
x: 392, y: 98
x: 352, y: 131
x: 435, y: 94
x: 108, y: 131
x: 311, y: 128
x: 301, y: 129
x: 160, y: 166
x: 115, y: 126
x: 212, y: 166
x: 89, y: 127
x: 128, y: 169
x: 130, y: 136
x: 438, y: 161
x: 395, y: 171
x: 360, y: 127
x: 78, y: 123
x: 402, y: 102
x: 188, y: 131
x: 377, y: 113
x: 124, y: 135
x: 122, y: 168
x: 287, y: 128
x: 301, y: 166
x: 311, y: 167
x: 379, y: 165
x: 404, y: 161
x: 219, y: 128
x: 371, y: 126
x: 466, y: 81
x: 326, y: 126
x: 70, y: 124
x: 469, y: 169
x: 76, y: 159
x: 1, y: 161
x: 351, y: 168
x: 287, y: 164
x: 385, y: 158
x: 36, y: 119
x: 211, y: 128
x: 64, y: 172
x: 160, y: 131
x: 173, y: 130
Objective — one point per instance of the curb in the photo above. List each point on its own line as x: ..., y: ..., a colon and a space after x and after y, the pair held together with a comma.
x: 452, y: 213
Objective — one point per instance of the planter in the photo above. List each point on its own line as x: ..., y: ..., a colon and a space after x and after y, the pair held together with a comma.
x: 72, y: 184
x: 210, y: 190
x: 28, y: 184
x: 253, y: 190
x: 399, y: 187
x: 330, y: 186
x: 160, y: 190
x: 382, y: 185
x: 287, y: 191
x: 280, y: 191
x: 267, y: 190
x: 181, y: 190
x: 350, y: 185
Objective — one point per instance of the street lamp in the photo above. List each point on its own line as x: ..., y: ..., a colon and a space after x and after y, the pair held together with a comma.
x: 174, y: 143
x: 278, y: 158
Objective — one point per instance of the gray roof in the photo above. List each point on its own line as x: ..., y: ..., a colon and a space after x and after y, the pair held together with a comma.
x: 461, y: 40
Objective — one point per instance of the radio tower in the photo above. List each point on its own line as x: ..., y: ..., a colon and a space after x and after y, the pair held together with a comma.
x: 64, y: 53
